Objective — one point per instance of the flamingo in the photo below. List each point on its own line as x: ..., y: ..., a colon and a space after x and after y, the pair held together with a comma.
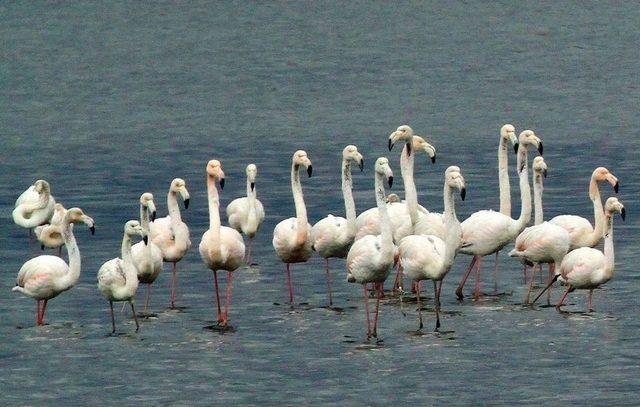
x: 50, y: 235
x: 334, y: 235
x: 247, y: 213
x: 44, y: 277
x: 428, y: 257
x: 221, y: 247
x: 34, y: 207
x: 292, y: 237
x: 147, y: 257
x: 118, y: 278
x: 581, y: 232
x: 587, y: 268
x: 486, y: 232
x: 369, y: 259
x: 544, y: 242
x: 171, y: 234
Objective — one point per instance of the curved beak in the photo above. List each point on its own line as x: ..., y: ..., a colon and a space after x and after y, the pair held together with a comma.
x: 152, y: 208
x: 544, y: 173
x: 92, y: 228
x: 391, y: 142
x: 623, y: 213
x: 153, y: 216
x: 41, y: 247
x: 253, y: 186
x: 515, y: 147
x: 184, y: 193
x: 309, y: 170
x: 186, y: 203
x: 540, y: 148
x: 614, y: 182
x: 145, y: 239
x: 514, y: 140
x: 221, y: 183
x: 390, y: 181
x: 433, y: 159
x: 361, y: 164
x: 463, y: 193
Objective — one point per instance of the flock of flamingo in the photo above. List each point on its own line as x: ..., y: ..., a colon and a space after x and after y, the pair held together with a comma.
x: 421, y: 244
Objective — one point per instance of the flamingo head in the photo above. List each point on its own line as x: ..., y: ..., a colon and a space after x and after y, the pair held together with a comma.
x: 252, y: 173
x: 133, y: 228
x: 178, y: 186
x: 421, y: 144
x: 42, y: 187
x: 146, y: 200
x: 76, y: 215
x: 300, y: 158
x: 351, y: 153
x: 612, y: 206
x: 602, y: 174
x: 403, y: 133
x: 383, y: 168
x: 508, y: 133
x: 454, y: 179
x: 539, y: 166
x: 392, y: 198
x: 214, y: 170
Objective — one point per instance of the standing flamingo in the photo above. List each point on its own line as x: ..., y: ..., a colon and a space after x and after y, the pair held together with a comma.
x: 44, y: 277
x: 171, y: 234
x: 587, y: 268
x: 428, y: 257
x: 581, y: 232
x: 334, y: 235
x: 544, y: 242
x: 247, y: 213
x: 485, y: 232
x: 369, y: 260
x: 147, y: 257
x: 221, y: 247
x: 292, y: 237
x: 34, y: 207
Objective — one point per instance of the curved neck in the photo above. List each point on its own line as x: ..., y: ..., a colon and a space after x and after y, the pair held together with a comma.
x: 599, y: 221
x: 73, y: 253
x: 385, y: 223
x: 525, y: 191
x: 144, y: 222
x: 214, y: 215
x: 503, y: 177
x: 452, y: 225
x: 130, y: 271
x: 609, y: 257
x: 301, y: 209
x: 251, y: 195
x: 537, y: 198
x: 406, y: 169
x: 347, y: 194
x: 174, y: 209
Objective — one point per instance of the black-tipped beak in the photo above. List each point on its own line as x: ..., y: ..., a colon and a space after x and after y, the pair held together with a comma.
x: 616, y: 187
x: 253, y: 186
x: 521, y: 168
x: 544, y: 173
x: 145, y: 239
x: 309, y: 170
x: 390, y: 181
x: 409, y: 148
x: 361, y: 165
x: 463, y: 193
x: 540, y: 148
x: 515, y: 148
x: 186, y: 203
x: 153, y: 216
x: 433, y: 159
x: 42, y: 246
x: 623, y: 213
x: 93, y: 230
x: 390, y: 144
x: 221, y: 183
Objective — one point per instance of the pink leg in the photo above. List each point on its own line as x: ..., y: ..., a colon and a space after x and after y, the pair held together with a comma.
x: 437, y: 303
x: 249, y: 252
x: 37, y: 312
x: 326, y: 269
x: 135, y: 316
x: 495, y: 275
x: 476, y: 293
x: 524, y: 273
x: 113, y: 318
x: 44, y: 307
x: 533, y: 276
x: 397, y: 283
x: 366, y: 309
x: 419, y: 303
x: 464, y: 278
x: 290, y: 284
x: 552, y: 272
x: 215, y: 281
x: 375, y: 319
x: 174, y: 278
x: 227, y: 303
x: 563, y: 297
x: 146, y: 301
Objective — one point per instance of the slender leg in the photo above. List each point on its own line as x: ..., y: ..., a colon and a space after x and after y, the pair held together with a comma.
x: 44, y: 307
x: 552, y: 272
x: 173, y: 284
x: 366, y: 309
x: 464, y: 278
x: 397, y: 283
x: 249, y: 252
x: 437, y: 303
x: 113, y: 318
x: 476, y: 294
x: 375, y: 319
x: 227, y: 303
x: 215, y: 281
x: 419, y: 304
x: 533, y: 277
x: 135, y: 316
x: 326, y: 269
x: 38, y: 312
x: 146, y: 301
x: 290, y: 284
x: 541, y: 276
x: 590, y: 302
x: 495, y: 275
x: 524, y: 273
x: 563, y: 297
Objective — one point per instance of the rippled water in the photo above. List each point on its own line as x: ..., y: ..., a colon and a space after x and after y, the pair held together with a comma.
x: 107, y: 101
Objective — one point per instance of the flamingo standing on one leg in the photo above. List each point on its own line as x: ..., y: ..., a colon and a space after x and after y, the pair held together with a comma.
x: 34, y: 207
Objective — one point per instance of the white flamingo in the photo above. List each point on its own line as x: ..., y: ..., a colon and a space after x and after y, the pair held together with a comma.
x: 486, y: 232
x: 587, y: 268
x: 334, y: 235
x: 44, y: 277
x: 171, y: 234
x: 370, y: 259
x: 50, y: 235
x: 247, y: 213
x: 581, y: 232
x: 147, y: 257
x: 292, y: 237
x: 544, y: 242
x: 118, y: 278
x: 221, y: 247
x: 34, y: 207
x: 428, y: 257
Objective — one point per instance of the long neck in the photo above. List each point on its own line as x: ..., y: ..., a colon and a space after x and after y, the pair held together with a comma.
x: 301, y: 210
x: 73, y: 253
x: 537, y: 198
x: 43, y: 200
x: 144, y: 222
x: 525, y: 191
x: 130, y: 272
x: 385, y: 223
x: 406, y: 169
x: 347, y: 194
x: 609, y: 257
x: 598, y: 214
x: 503, y: 177
x: 174, y: 209
x: 452, y: 225
x: 214, y: 215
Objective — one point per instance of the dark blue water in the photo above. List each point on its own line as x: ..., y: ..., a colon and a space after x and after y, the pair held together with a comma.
x: 109, y: 100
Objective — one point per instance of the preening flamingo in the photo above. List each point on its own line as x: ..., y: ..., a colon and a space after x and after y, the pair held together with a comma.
x: 34, y: 207
x: 50, y: 235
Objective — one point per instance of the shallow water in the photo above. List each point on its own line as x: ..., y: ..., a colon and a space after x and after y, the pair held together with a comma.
x: 109, y: 101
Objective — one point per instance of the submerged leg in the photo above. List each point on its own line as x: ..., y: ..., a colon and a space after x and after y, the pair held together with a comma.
x: 146, y: 301
x: 38, y: 312
x: 366, y: 309
x: 227, y: 303
x: 326, y: 268
x: 375, y: 319
x: 290, y: 284
x: 135, y: 317
x: 495, y: 275
x: 464, y: 277
x: 590, y: 301
x: 174, y: 278
x: 419, y: 304
x: 215, y: 281
x: 249, y: 252
x: 476, y: 293
x: 437, y: 302
x: 44, y: 308
x: 113, y: 318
